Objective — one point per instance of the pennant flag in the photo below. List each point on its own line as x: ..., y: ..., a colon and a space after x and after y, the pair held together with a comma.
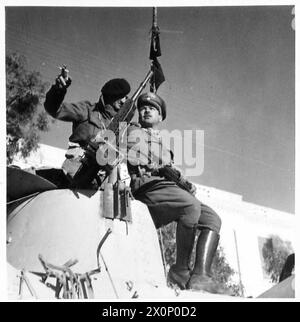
x: 158, y: 76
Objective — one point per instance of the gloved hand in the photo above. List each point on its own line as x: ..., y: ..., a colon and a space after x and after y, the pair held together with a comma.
x: 193, y: 189
x: 63, y: 80
x: 162, y: 169
x: 176, y: 176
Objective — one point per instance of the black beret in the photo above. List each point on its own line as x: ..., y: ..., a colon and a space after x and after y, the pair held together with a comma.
x: 154, y: 100
x: 116, y: 88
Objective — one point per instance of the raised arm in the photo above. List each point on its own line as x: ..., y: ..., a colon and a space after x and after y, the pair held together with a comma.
x: 69, y: 112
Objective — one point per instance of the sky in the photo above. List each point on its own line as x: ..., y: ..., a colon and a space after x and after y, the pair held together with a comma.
x: 230, y: 71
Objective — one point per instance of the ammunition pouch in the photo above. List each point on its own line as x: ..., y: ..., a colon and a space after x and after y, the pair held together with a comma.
x: 117, y: 201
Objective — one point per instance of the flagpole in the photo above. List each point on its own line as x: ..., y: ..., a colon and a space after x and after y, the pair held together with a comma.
x: 154, y: 32
x: 154, y: 17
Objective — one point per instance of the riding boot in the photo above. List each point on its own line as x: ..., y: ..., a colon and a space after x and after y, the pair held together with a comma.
x: 205, y: 250
x: 179, y: 273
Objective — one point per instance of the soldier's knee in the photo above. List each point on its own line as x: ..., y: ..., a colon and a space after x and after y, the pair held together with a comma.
x: 196, y: 206
x: 192, y: 214
x: 217, y: 223
x: 209, y: 219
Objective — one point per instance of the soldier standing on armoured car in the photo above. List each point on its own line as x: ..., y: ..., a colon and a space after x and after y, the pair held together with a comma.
x: 87, y: 118
x: 167, y: 202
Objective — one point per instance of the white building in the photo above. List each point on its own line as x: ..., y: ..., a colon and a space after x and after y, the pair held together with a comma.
x: 245, y: 228
x: 245, y: 225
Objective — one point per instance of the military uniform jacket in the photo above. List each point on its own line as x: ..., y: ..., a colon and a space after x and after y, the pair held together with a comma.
x: 87, y: 118
x: 145, y: 152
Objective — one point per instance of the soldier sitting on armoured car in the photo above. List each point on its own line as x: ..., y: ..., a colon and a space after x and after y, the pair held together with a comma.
x: 167, y: 202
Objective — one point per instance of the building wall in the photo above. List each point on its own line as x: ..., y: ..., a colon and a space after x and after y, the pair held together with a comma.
x: 245, y: 224
x: 45, y: 156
